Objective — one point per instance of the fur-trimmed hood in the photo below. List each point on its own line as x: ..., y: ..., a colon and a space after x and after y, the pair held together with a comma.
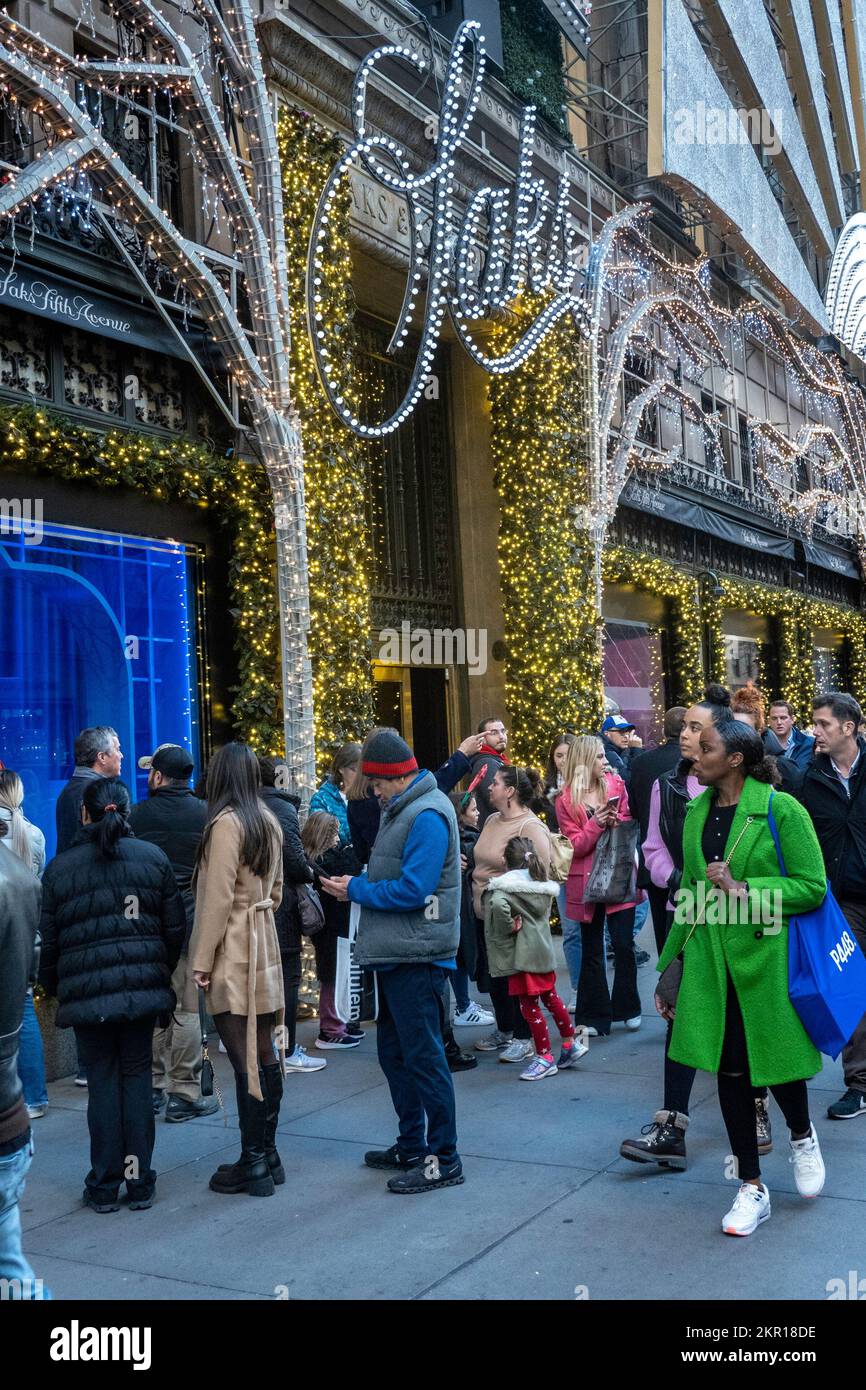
x: 519, y: 881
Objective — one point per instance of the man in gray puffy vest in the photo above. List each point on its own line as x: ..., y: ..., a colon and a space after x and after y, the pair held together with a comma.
x: 408, y: 934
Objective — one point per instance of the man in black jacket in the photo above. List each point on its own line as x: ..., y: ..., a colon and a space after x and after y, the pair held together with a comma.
x: 491, y: 757
x: 174, y: 819
x: 834, y: 794
x: 646, y: 768
x: 97, y: 754
x: 20, y: 895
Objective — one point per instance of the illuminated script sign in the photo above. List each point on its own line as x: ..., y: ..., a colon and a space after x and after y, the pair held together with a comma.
x: 477, y: 260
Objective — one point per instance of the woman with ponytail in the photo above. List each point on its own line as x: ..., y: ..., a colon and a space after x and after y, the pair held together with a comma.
x: 731, y: 1013
x: 113, y: 923
x: 27, y: 843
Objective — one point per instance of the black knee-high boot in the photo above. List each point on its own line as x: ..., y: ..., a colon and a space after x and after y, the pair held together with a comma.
x: 251, y: 1173
x: 272, y: 1090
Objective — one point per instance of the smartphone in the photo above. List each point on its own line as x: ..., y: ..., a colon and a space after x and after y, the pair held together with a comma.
x: 613, y: 801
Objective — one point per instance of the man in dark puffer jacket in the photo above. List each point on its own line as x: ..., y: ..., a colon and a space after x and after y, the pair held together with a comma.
x: 113, y: 924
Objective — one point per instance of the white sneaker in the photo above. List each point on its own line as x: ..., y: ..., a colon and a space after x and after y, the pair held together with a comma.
x: 751, y: 1207
x: 299, y: 1061
x: 809, y: 1171
x: 474, y: 1017
x: 517, y: 1051
x: 632, y: 1024
x: 572, y: 1003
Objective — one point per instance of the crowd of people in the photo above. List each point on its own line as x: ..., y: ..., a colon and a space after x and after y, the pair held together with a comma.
x: 193, y: 905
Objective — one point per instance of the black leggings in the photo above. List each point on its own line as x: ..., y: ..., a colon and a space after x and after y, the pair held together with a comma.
x: 291, y: 989
x: 737, y: 1095
x: 509, y: 1019
x: 232, y: 1029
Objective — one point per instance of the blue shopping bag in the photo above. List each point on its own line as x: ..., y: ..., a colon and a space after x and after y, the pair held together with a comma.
x: 826, y: 969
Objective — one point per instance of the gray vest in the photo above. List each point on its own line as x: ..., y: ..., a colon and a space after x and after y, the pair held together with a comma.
x: 426, y: 933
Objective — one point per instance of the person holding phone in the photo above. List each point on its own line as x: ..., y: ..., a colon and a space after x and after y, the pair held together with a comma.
x: 591, y: 800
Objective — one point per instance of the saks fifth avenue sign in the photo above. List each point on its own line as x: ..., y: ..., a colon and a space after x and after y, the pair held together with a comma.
x: 52, y: 301
x: 477, y: 260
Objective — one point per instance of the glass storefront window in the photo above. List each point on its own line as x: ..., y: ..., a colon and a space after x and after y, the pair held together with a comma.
x: 742, y: 660
x: 98, y: 628
x: 632, y: 675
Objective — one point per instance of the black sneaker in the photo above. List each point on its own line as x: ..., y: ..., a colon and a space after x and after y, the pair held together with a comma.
x: 158, y: 1100
x: 100, y: 1205
x: 665, y: 1143
x: 354, y: 1030
x: 853, y: 1103
x: 180, y: 1109
x: 641, y: 956
x: 327, y: 1042
x: 390, y: 1158
x: 426, y: 1177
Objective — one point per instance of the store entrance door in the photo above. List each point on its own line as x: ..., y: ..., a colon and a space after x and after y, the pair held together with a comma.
x: 415, y: 700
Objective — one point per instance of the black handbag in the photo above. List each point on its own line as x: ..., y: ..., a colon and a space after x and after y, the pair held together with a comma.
x: 207, y: 1080
x: 310, y: 910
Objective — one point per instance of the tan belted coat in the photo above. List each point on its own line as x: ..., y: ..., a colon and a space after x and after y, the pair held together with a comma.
x: 234, y: 938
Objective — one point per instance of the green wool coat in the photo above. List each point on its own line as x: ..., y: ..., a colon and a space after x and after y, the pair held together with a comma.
x: 755, y: 953
x: 515, y: 894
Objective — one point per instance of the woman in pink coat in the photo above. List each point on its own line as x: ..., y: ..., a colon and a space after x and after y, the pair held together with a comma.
x: 591, y: 800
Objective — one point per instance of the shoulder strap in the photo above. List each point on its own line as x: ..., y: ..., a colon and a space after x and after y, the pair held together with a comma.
x: 775, y: 834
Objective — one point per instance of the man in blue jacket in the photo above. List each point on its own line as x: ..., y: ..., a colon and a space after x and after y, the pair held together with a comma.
x: 408, y: 934
x: 783, y: 738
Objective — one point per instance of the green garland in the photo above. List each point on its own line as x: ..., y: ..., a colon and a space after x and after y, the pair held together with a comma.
x: 336, y: 462
x: 533, y: 60
x: 552, y: 671
x: 36, y: 441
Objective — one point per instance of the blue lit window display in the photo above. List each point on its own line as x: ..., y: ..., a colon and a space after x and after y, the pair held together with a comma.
x: 96, y: 628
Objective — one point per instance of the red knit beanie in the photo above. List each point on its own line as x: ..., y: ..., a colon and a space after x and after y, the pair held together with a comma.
x: 388, y: 755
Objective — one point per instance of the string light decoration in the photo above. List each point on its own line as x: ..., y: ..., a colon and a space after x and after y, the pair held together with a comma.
x: 237, y: 492
x: 233, y: 141
x: 336, y: 464
x: 552, y: 670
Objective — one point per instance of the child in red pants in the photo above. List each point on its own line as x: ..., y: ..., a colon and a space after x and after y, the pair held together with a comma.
x: 519, y: 945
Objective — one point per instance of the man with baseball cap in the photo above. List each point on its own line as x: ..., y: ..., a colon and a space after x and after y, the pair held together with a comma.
x: 173, y: 818
x: 409, y: 933
x: 615, y: 735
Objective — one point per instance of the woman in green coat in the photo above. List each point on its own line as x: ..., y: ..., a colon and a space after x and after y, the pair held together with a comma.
x: 733, y: 1015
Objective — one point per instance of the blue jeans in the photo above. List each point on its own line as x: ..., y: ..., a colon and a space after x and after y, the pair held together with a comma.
x: 13, y: 1266
x: 31, y: 1059
x: 412, y: 1056
x: 572, y: 942
x: 459, y: 981
x: 640, y: 915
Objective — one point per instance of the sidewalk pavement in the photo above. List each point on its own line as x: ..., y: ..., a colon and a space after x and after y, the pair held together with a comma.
x: 548, y: 1209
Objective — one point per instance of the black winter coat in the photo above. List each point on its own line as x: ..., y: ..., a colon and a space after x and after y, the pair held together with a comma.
x: 296, y: 868
x: 174, y: 819
x: 840, y: 823
x: 67, y: 812
x: 112, y: 931
x: 467, y: 951
x: 335, y: 862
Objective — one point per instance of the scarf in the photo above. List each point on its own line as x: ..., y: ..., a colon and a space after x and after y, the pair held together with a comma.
x: 492, y: 753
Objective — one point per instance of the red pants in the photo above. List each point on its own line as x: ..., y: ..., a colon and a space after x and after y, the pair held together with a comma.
x: 529, y: 1007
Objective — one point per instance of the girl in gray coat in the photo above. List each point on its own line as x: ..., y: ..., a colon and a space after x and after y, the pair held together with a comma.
x: 519, y: 945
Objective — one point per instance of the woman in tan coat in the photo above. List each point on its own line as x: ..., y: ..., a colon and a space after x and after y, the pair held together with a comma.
x: 234, y: 955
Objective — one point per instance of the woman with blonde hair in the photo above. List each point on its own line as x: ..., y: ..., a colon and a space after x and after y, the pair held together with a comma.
x: 591, y: 800
x: 27, y: 843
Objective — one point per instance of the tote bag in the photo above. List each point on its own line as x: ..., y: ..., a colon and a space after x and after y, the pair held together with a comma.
x: 613, y: 876
x: 356, y: 994
x: 826, y: 969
